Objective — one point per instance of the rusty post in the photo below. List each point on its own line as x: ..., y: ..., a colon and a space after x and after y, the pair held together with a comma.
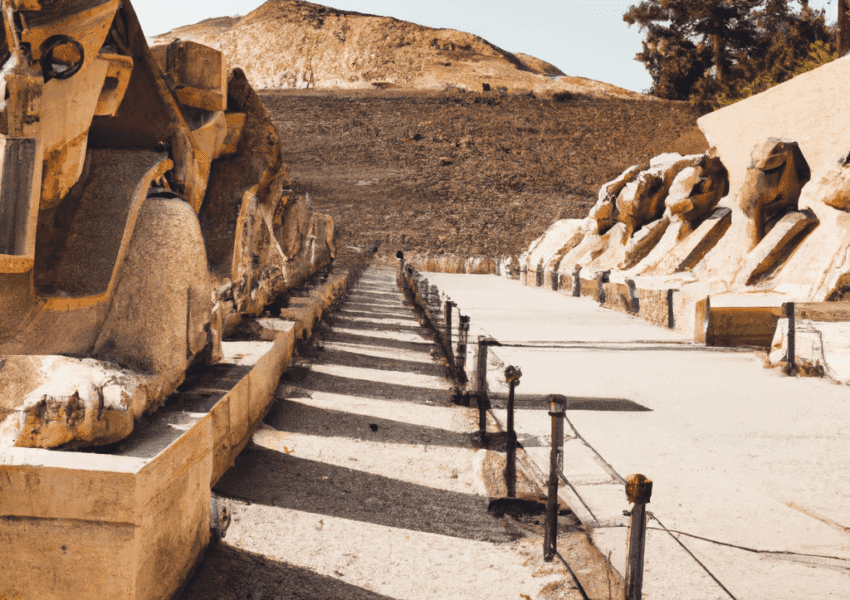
x: 448, y: 313
x: 576, y: 281
x: 512, y: 375
x: 791, y: 359
x: 481, y: 386
x: 435, y: 301
x: 671, y: 315
x: 638, y: 491
x: 462, y: 338
x: 634, y: 299
x: 602, y: 277
x: 400, y: 256
x: 424, y: 290
x: 557, y: 405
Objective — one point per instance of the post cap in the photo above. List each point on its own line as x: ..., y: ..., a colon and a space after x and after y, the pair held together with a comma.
x: 557, y: 404
x: 399, y: 255
x: 512, y: 375
x: 638, y: 489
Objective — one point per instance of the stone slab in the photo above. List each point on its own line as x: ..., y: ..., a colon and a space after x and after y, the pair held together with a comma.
x: 808, y: 109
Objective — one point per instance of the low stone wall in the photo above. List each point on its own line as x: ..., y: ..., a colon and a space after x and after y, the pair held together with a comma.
x: 139, y: 518
x: 449, y: 263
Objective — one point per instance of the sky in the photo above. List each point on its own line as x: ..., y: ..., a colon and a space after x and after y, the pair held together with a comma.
x: 585, y: 39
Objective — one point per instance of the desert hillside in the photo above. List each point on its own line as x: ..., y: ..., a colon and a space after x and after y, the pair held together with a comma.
x: 463, y: 173
x: 287, y: 44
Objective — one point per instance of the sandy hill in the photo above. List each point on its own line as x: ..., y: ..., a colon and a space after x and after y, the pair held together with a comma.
x: 287, y: 44
x: 466, y: 174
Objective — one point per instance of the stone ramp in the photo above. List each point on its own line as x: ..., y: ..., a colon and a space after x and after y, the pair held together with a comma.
x: 363, y: 483
x: 743, y: 459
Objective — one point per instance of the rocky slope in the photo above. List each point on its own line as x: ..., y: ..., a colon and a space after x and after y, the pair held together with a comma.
x: 466, y: 174
x: 293, y: 44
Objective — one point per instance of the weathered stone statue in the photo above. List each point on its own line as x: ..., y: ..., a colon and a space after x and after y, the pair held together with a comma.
x: 773, y: 183
x: 144, y: 208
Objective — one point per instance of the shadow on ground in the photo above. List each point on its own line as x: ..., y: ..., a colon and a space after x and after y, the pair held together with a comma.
x: 379, y: 363
x: 295, y: 417
x: 360, y: 388
x: 229, y: 573
x: 369, y: 340
x: 338, y: 321
x: 351, y: 306
x: 266, y: 476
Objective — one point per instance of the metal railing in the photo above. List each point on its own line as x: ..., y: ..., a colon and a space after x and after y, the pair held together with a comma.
x: 438, y: 313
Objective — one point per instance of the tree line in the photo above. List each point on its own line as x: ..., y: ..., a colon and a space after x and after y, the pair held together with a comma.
x: 716, y: 52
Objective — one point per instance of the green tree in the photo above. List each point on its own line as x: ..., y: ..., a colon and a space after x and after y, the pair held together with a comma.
x: 714, y: 51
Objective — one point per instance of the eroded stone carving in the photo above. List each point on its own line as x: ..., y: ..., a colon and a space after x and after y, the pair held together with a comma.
x: 631, y: 217
x: 144, y: 208
x: 773, y: 184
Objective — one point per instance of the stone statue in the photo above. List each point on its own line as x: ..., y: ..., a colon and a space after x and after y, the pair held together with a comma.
x: 144, y: 208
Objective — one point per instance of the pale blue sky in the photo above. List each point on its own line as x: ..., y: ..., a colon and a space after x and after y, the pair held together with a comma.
x: 587, y: 39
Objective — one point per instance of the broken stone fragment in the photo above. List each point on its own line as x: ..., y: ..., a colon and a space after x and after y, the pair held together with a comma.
x: 834, y: 187
x: 809, y: 348
x: 72, y: 401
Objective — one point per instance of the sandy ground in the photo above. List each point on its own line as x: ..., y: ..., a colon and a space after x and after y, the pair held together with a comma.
x: 746, y: 462
x: 363, y: 482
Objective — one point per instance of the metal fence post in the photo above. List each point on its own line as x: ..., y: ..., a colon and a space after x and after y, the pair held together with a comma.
x: 671, y: 313
x: 791, y: 360
x: 577, y: 281
x: 602, y: 277
x: 481, y: 386
x: 557, y: 405
x: 448, y: 315
x: 512, y: 375
x: 462, y: 338
x: 424, y: 292
x: 638, y: 491
x: 634, y: 299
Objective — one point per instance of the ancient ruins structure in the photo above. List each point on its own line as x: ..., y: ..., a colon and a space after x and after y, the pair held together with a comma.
x: 144, y: 209
x: 716, y: 244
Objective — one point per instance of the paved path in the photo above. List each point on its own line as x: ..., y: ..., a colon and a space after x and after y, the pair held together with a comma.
x: 750, y: 465
x: 362, y: 482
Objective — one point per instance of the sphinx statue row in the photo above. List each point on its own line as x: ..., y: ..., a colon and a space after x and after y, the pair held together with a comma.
x: 675, y: 224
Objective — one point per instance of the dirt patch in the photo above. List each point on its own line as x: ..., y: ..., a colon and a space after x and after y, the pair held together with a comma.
x: 464, y: 173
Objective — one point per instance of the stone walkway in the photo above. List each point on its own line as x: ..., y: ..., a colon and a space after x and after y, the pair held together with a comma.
x: 363, y: 483
x: 748, y: 465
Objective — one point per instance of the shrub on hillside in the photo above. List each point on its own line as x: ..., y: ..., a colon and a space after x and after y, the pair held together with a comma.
x: 564, y: 96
